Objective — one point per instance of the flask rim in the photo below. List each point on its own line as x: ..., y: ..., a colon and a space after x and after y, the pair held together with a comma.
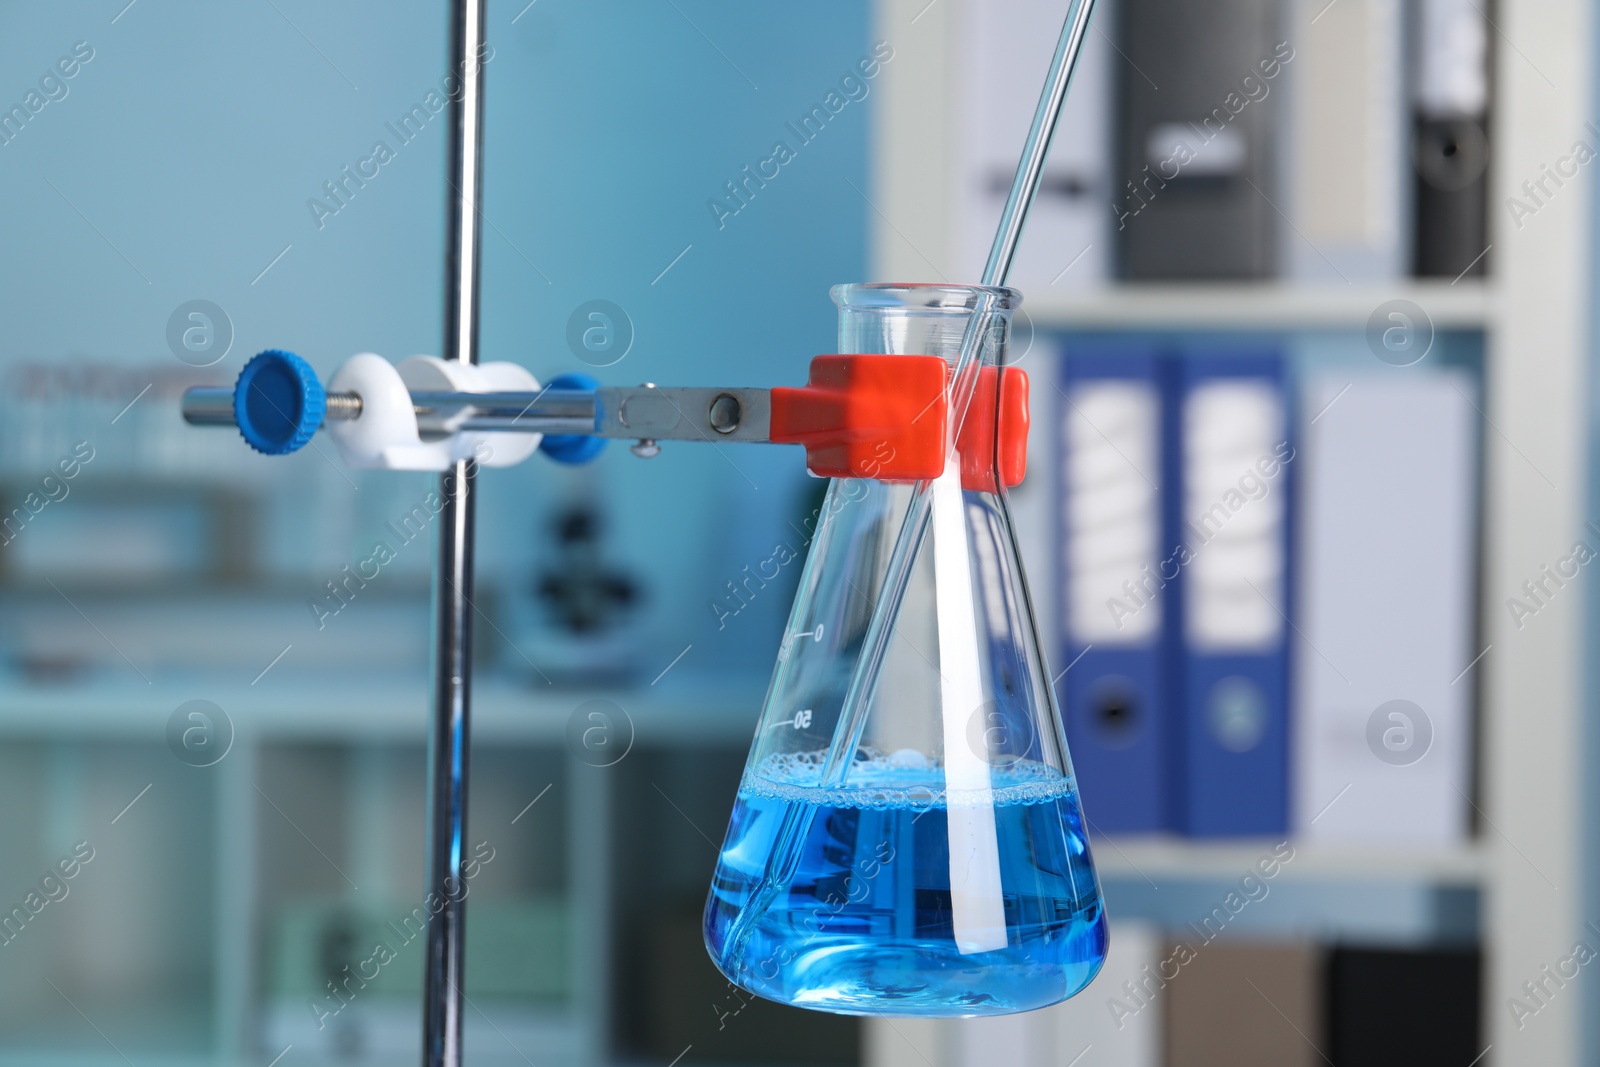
x: 921, y: 296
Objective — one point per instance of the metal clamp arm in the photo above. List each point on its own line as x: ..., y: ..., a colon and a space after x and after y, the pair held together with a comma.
x: 676, y: 413
x: 858, y: 416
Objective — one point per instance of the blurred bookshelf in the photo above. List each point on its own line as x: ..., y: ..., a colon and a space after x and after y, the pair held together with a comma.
x: 1184, y: 858
x: 319, y: 792
x: 1515, y: 886
x: 1468, y: 304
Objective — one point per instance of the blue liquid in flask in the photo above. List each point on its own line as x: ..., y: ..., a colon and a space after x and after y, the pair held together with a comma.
x: 840, y: 899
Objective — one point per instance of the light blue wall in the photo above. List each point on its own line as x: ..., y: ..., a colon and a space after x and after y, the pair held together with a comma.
x: 189, y: 146
x: 610, y: 128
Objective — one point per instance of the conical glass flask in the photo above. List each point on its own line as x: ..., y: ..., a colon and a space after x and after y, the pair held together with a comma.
x: 907, y: 838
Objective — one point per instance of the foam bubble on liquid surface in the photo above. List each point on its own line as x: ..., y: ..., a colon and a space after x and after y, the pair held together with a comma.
x: 905, y: 779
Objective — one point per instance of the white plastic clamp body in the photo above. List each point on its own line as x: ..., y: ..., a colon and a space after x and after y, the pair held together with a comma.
x: 385, y: 435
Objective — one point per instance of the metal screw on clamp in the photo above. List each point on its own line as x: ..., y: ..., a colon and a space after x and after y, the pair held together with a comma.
x: 725, y: 413
x: 343, y: 406
x: 645, y: 447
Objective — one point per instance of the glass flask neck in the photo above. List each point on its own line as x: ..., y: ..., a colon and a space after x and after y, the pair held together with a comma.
x: 923, y: 320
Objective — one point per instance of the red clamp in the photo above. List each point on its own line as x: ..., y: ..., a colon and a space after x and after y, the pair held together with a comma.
x: 979, y: 435
x: 886, y: 418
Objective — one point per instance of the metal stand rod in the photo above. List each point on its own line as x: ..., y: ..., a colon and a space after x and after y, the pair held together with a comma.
x: 450, y: 737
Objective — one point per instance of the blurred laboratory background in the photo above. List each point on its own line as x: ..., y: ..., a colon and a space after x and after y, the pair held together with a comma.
x: 1307, y: 518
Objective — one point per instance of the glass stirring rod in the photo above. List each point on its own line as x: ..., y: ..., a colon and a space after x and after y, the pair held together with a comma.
x: 1024, y: 184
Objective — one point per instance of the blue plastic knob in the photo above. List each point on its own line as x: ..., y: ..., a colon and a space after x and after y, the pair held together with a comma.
x: 572, y: 448
x: 278, y: 402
